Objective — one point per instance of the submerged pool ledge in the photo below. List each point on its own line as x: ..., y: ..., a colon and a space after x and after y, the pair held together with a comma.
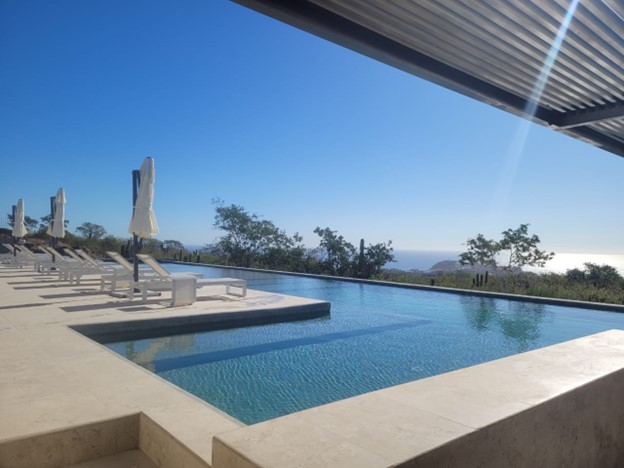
x: 555, y: 406
x: 109, y: 332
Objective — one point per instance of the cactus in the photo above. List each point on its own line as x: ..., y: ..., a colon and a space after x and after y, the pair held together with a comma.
x: 479, y: 280
x: 360, y: 266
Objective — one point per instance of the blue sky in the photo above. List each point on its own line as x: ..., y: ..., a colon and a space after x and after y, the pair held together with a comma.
x: 238, y: 106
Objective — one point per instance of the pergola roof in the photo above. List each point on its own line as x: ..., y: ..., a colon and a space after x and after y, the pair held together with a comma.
x: 496, y: 51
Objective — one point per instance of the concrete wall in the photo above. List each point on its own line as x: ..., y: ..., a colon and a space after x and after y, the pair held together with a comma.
x: 164, y: 449
x: 99, y: 440
x: 582, y: 428
x: 72, y: 445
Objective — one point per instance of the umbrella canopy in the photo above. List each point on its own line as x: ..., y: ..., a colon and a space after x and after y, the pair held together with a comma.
x: 143, y: 223
x: 57, y: 224
x: 19, y: 228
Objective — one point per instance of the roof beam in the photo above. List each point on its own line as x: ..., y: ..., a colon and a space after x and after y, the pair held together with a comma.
x: 588, y: 116
x: 598, y: 139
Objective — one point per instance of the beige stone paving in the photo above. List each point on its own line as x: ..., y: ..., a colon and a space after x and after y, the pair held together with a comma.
x: 133, y: 458
x: 52, y: 377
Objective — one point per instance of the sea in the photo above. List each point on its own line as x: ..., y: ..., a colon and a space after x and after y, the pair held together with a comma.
x: 424, y: 259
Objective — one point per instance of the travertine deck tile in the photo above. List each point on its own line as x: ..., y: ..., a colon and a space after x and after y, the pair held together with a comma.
x: 53, y: 377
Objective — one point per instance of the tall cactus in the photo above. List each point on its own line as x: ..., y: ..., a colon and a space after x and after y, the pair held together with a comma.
x: 360, y: 267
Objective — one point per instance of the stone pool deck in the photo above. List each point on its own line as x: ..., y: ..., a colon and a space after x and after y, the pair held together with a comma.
x: 53, y: 377
x: 66, y: 400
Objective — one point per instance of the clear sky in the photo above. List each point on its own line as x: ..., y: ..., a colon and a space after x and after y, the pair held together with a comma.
x: 305, y: 133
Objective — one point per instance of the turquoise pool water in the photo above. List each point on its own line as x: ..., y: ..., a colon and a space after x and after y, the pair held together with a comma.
x: 376, y: 337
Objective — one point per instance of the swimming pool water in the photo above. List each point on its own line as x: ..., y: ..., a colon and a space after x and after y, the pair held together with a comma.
x: 377, y: 337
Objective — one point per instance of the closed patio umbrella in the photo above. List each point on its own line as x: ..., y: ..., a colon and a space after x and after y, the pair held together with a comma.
x: 56, y: 228
x: 19, y: 227
x: 143, y: 223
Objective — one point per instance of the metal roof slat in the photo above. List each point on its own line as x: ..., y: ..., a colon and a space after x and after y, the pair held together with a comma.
x: 520, y: 48
x: 513, y: 45
x: 424, y: 43
x: 368, y: 14
x: 479, y: 58
x: 510, y: 73
x: 581, y: 42
x: 565, y: 67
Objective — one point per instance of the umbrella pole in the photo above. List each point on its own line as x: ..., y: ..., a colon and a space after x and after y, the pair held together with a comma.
x: 14, y: 238
x: 136, y: 181
x: 52, y: 214
x: 137, y: 249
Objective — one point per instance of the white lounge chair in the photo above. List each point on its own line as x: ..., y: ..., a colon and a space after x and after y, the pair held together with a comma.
x: 7, y: 257
x: 53, y: 260
x: 84, y: 266
x: 15, y: 256
x: 23, y: 257
x: 121, y: 276
x: 183, y: 286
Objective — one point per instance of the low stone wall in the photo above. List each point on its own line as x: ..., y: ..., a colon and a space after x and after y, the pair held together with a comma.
x: 582, y: 428
x: 72, y: 445
x: 165, y: 450
x: 99, y: 440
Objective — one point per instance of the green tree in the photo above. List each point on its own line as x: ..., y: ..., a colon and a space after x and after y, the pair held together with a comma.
x: 481, y: 251
x: 522, y: 248
x: 31, y: 224
x: 172, y: 245
x: 576, y: 275
x: 112, y: 243
x: 602, y: 276
x: 151, y: 247
x: 372, y: 259
x: 249, y: 240
x: 338, y: 253
x: 284, y: 253
x: 91, y: 231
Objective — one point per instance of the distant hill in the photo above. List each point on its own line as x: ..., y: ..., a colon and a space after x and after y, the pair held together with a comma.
x: 446, y: 265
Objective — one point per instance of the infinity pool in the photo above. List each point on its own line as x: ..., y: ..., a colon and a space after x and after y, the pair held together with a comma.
x: 376, y: 337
